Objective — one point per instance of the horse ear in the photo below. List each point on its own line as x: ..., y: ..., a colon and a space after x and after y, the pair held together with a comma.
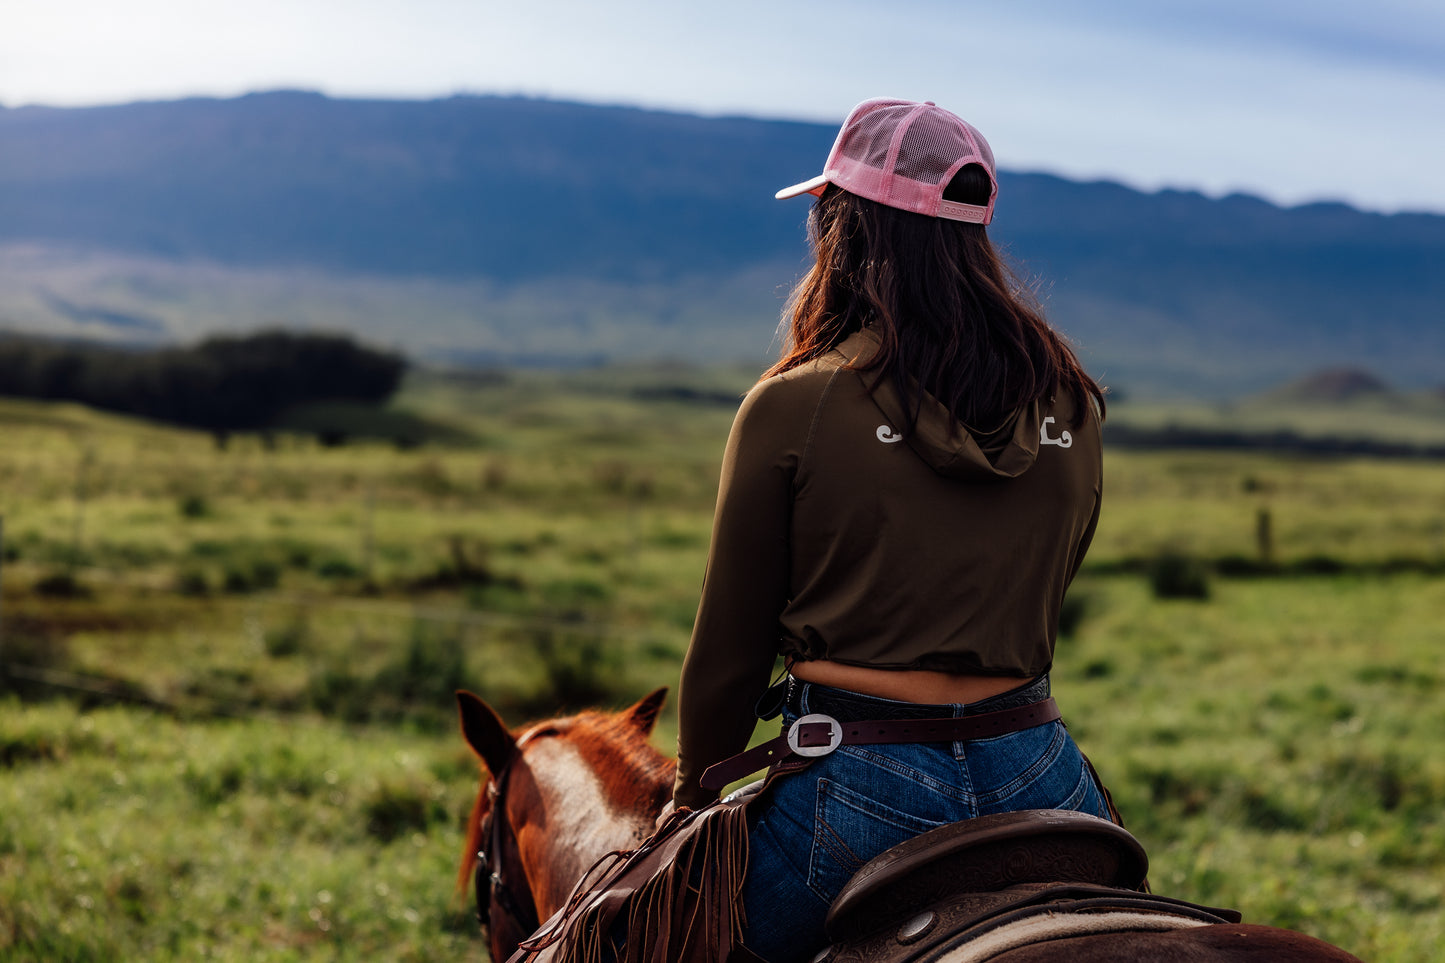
x: 485, y: 732
x: 644, y: 715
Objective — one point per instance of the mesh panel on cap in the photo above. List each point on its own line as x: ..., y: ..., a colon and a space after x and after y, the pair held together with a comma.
x: 869, y: 139
x: 933, y: 144
x: 928, y: 150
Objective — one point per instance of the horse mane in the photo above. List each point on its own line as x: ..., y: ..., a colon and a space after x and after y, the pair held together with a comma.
x: 637, y: 776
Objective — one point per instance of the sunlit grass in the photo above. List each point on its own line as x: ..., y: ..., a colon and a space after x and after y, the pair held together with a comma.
x: 129, y: 835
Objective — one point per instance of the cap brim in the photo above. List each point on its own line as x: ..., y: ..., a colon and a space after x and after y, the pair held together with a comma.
x: 813, y: 185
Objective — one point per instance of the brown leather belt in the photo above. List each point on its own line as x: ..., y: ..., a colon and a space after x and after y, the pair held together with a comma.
x: 818, y: 735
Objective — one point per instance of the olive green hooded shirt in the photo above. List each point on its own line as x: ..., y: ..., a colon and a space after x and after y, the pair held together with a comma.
x: 839, y: 537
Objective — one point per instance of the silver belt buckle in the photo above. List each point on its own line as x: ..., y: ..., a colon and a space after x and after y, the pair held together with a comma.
x: 835, y: 735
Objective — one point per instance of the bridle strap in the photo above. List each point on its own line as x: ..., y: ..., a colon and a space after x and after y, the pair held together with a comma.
x: 489, y: 866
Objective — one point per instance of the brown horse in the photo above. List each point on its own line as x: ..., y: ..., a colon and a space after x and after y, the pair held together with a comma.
x: 560, y: 794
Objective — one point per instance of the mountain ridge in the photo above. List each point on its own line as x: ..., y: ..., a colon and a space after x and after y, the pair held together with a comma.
x: 519, y: 227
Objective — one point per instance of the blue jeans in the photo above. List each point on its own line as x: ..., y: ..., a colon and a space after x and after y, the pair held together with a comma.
x: 819, y: 826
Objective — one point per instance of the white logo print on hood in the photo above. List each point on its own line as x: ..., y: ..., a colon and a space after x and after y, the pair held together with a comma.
x: 1065, y: 439
x: 949, y: 447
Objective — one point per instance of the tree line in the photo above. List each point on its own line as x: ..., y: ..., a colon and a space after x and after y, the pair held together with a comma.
x: 223, y: 384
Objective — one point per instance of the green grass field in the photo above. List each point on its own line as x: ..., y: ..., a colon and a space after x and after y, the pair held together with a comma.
x: 226, y: 720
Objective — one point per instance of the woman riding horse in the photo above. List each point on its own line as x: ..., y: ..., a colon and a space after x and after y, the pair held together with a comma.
x: 905, y: 497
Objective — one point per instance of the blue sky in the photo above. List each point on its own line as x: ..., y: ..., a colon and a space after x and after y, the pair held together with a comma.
x: 1291, y: 100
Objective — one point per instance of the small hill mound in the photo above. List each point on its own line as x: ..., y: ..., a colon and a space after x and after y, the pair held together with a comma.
x: 1335, y: 385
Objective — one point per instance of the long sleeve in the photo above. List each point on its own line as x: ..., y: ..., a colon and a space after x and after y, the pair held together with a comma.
x: 1091, y: 424
x: 735, y: 637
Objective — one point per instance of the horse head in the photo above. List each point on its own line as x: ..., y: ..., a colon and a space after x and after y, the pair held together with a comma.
x: 555, y: 796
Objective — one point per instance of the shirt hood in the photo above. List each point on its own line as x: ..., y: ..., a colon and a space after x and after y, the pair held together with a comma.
x: 946, y: 444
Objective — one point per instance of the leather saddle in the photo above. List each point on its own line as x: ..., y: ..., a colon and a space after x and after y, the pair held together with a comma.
x: 975, y: 888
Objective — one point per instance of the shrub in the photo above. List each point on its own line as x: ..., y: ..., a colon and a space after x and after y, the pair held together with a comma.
x: 61, y: 585
x: 1242, y: 566
x: 396, y: 807
x: 577, y: 669
x: 1271, y: 811
x: 1319, y: 565
x: 193, y: 582
x: 252, y: 576
x: 433, y: 479
x: 334, y: 566
x: 298, y: 555
x: 467, y: 568
x: 215, y: 781
x: 265, y: 574
x: 287, y: 640
x: 611, y: 476
x: 1176, y: 575
x: 432, y: 670
x: 494, y: 476
x: 29, y: 746
x: 419, y: 686
x: 337, y: 692
x: 575, y: 598
x: 193, y: 506
x: 33, y: 644
x: 209, y: 548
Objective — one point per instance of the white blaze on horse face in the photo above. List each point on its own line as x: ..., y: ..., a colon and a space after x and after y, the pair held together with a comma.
x: 575, y: 823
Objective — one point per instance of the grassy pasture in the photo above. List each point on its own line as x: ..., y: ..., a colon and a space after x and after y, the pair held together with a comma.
x: 225, y: 728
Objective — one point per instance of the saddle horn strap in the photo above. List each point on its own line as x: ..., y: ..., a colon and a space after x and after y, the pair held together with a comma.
x: 818, y: 735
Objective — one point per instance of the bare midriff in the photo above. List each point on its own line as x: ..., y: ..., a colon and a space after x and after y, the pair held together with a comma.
x: 904, y: 685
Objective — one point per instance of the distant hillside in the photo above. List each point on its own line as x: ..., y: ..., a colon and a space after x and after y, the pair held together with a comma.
x: 500, y: 229
x: 1334, y: 411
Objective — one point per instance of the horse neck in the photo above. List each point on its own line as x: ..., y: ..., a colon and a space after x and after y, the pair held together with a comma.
x: 591, y: 789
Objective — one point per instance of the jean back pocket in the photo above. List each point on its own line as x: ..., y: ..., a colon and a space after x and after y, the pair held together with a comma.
x: 851, y: 829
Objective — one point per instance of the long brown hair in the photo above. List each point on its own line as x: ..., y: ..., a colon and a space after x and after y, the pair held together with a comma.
x: 952, y: 319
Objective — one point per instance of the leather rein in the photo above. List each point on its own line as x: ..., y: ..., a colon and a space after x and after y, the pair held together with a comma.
x: 492, y: 886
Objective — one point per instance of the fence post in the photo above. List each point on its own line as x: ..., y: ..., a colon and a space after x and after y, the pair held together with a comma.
x: 1264, y: 535
x: 368, y: 536
x: 3, y: 668
x: 78, y: 530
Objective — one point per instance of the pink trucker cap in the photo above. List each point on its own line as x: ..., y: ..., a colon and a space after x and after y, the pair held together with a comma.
x: 903, y: 154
